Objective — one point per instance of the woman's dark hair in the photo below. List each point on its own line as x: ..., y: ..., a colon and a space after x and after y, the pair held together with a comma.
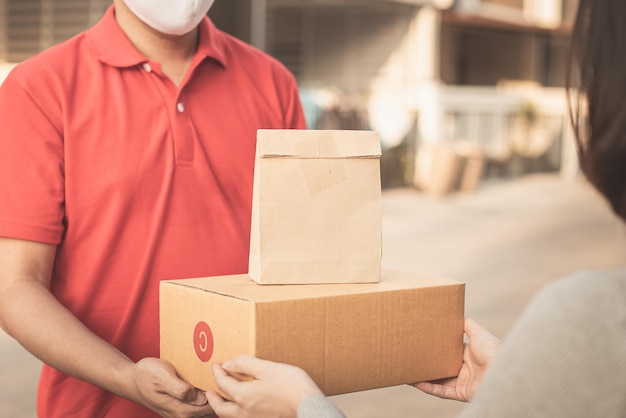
x: 597, y: 96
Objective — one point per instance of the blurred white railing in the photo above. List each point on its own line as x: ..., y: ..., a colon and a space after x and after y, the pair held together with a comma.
x: 523, y: 120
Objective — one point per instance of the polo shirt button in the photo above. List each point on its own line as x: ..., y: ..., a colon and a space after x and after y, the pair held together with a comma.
x: 180, y: 107
x: 147, y: 67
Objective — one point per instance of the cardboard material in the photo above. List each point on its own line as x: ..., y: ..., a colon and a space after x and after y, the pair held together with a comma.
x: 455, y: 167
x: 348, y: 337
x: 316, y: 207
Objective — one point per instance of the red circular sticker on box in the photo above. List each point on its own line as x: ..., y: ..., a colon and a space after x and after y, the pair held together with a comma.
x: 203, y: 341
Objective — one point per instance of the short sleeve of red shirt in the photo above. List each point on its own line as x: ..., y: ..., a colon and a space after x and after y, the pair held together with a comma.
x: 31, y: 166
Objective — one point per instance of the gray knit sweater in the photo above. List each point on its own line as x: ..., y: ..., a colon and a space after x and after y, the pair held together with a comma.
x: 318, y: 406
x: 564, y: 357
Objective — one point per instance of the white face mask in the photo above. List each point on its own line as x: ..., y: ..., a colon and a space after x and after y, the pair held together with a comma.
x: 172, y: 17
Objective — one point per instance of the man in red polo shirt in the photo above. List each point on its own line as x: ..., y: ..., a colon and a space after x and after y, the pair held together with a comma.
x: 126, y: 158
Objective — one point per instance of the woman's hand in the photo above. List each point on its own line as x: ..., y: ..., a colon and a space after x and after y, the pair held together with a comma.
x: 259, y: 388
x: 477, y: 356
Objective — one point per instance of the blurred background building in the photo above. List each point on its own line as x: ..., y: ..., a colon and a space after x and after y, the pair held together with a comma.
x: 459, y: 91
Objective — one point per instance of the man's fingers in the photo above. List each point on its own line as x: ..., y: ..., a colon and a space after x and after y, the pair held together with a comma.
x: 185, y: 392
x: 199, y: 398
x: 181, y: 390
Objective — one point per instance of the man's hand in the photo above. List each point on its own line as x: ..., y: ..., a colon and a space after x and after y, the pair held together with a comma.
x: 477, y: 356
x: 31, y: 314
x: 260, y: 389
x: 161, y: 390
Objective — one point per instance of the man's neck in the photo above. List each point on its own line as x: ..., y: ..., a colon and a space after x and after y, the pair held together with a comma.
x: 174, y: 53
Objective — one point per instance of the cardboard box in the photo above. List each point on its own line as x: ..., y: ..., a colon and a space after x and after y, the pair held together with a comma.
x: 316, y: 207
x: 348, y: 337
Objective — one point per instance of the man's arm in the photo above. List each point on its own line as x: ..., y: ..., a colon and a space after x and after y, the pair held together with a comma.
x: 37, y: 320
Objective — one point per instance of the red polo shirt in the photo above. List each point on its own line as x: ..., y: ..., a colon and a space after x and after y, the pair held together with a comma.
x: 135, y: 179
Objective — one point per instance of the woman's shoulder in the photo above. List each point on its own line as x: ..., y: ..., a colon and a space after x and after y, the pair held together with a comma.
x: 586, y: 310
x: 564, y: 356
x: 595, y: 290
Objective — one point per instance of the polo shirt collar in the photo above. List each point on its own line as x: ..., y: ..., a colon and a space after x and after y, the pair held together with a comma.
x: 111, y: 45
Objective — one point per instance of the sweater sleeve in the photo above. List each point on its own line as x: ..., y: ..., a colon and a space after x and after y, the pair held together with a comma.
x: 565, y: 356
x: 318, y: 406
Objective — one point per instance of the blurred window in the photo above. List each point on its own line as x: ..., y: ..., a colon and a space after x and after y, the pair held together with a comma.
x: 472, y: 55
x: 31, y: 26
x: 339, y: 45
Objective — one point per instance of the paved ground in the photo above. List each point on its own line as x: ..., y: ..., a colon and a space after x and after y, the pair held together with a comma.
x: 505, y: 242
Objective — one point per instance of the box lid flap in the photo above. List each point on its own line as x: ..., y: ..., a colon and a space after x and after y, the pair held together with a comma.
x: 275, y: 143
x: 242, y: 287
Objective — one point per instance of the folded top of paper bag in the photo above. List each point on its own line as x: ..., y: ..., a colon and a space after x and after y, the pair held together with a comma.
x: 318, y: 144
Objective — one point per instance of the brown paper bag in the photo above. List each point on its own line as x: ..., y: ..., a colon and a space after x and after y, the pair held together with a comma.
x: 316, y: 207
